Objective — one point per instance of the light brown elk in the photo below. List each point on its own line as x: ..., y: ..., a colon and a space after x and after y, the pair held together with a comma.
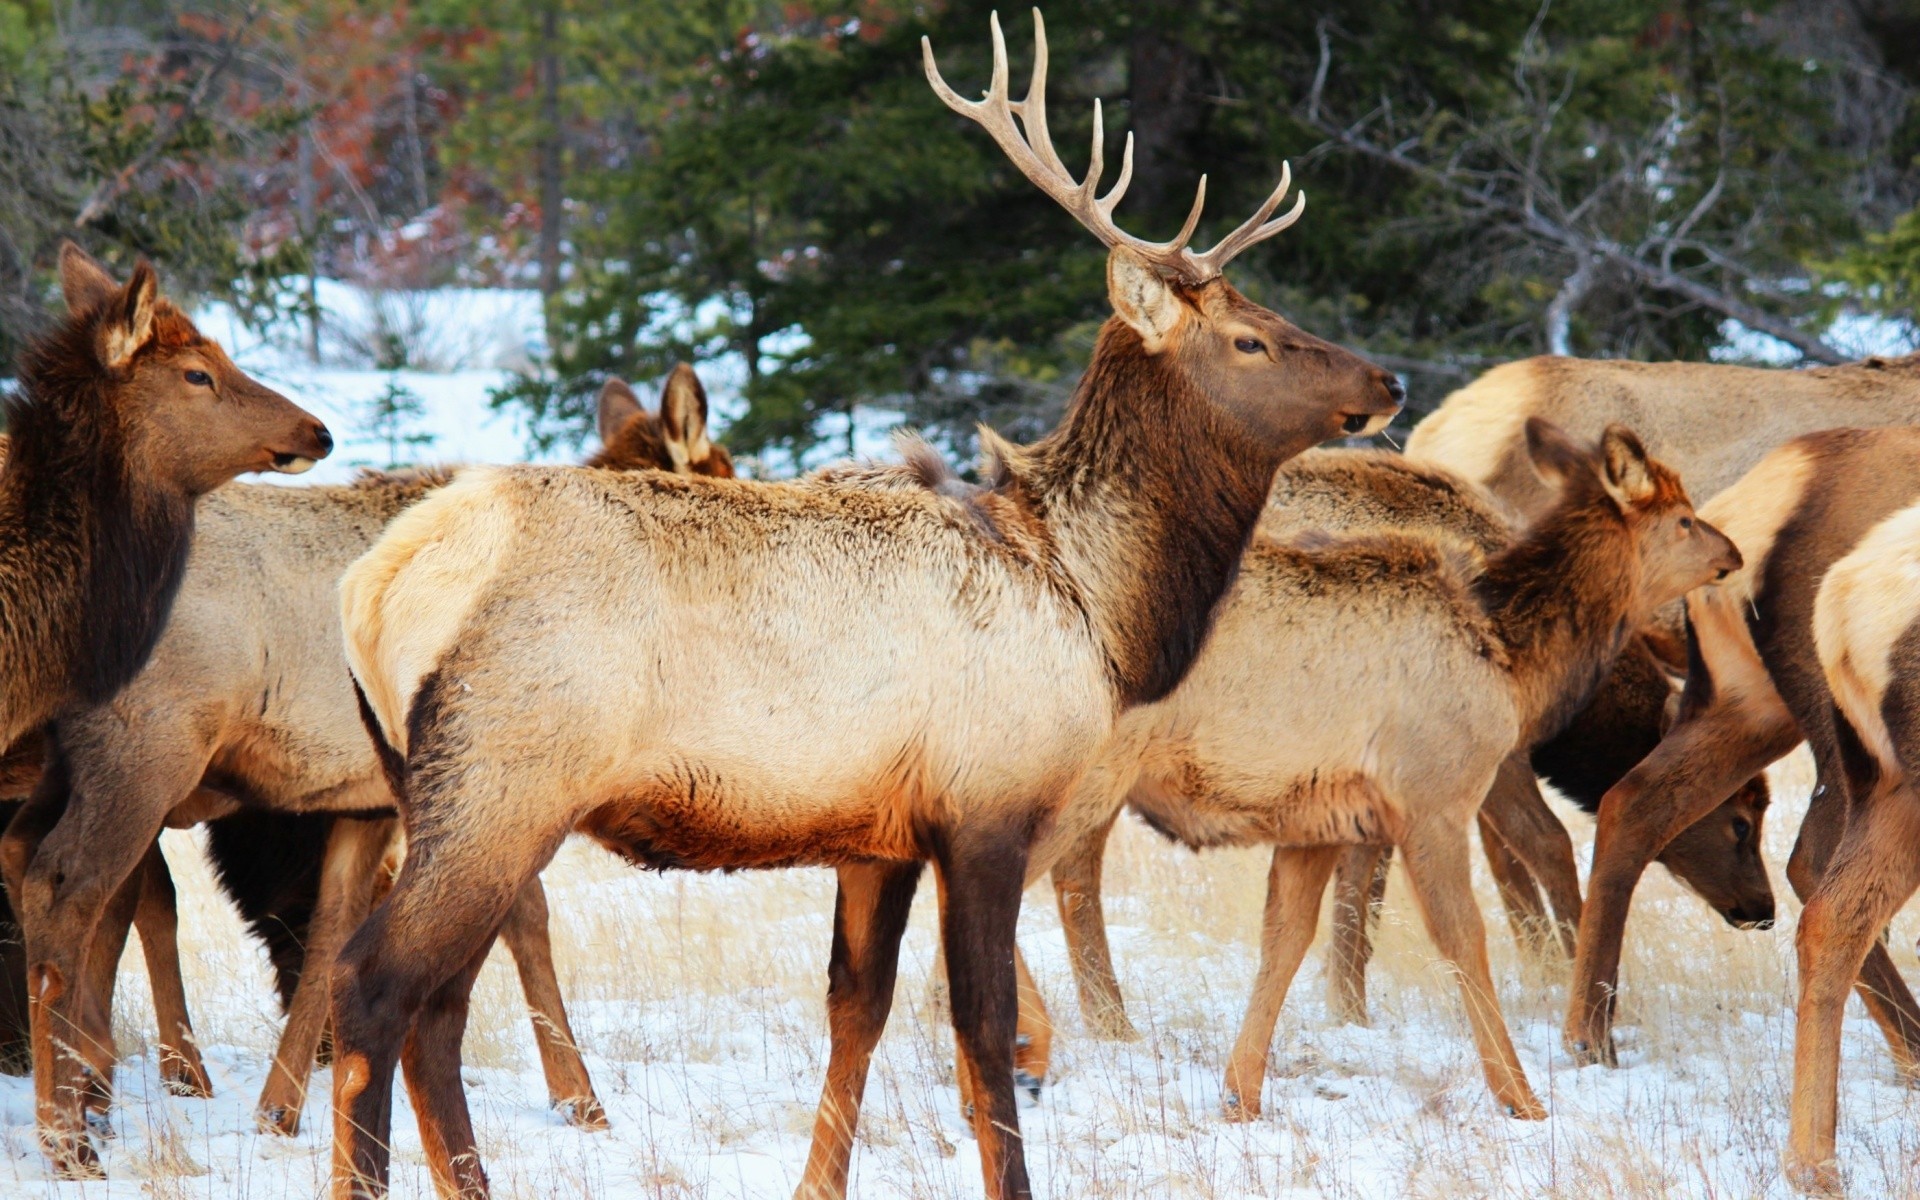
x: 1754, y: 690
x: 1866, y: 628
x: 123, y: 418
x: 246, y: 704
x: 1385, y: 745
x: 915, y: 677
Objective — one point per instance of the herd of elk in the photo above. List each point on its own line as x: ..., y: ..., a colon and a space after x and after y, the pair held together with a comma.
x: 977, y: 675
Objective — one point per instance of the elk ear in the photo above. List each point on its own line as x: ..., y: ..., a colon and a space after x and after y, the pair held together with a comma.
x: 617, y: 406
x: 1556, y: 458
x: 129, y: 323
x: 683, y: 417
x: 86, y: 284
x: 1624, y: 470
x: 1143, y: 298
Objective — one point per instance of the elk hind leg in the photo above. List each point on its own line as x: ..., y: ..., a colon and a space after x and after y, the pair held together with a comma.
x: 1295, y: 881
x: 869, y: 916
x: 158, y: 922
x: 1535, y: 839
x: 1076, y: 890
x: 569, y: 1087
x: 1359, y: 886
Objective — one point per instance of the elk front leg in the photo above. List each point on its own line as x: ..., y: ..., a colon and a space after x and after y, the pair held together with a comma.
x: 1882, y: 989
x: 1295, y: 881
x: 1441, y: 874
x: 869, y: 917
x: 1076, y: 890
x: 354, y: 850
x: 569, y: 1088
x: 1696, y: 766
x: 1359, y: 886
x: 1527, y: 828
x: 1520, y: 899
x: 158, y: 922
x: 1875, y: 870
x: 983, y: 872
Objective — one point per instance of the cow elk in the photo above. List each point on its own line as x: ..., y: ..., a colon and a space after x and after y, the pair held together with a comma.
x: 913, y: 677
x: 1754, y: 690
x: 246, y: 708
x: 1866, y: 629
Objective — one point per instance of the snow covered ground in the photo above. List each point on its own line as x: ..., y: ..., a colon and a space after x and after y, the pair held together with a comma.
x: 699, y: 1003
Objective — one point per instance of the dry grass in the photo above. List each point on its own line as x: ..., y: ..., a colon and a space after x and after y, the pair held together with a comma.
x: 699, y: 1001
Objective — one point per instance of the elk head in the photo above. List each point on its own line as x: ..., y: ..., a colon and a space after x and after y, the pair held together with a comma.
x: 189, y: 417
x: 673, y: 440
x: 1677, y: 550
x: 1287, y: 388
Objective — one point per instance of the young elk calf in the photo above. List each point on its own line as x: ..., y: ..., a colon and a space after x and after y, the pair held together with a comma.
x: 913, y: 676
x: 1754, y: 690
x: 1406, y: 675
x: 1866, y: 627
x: 246, y: 705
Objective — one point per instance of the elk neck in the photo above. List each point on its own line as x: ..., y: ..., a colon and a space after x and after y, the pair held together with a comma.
x: 1561, y: 599
x: 1149, y: 494
x: 91, y: 556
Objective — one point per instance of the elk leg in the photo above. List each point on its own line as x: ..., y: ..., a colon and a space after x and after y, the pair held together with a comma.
x: 103, y: 972
x: 1076, y: 890
x: 984, y: 873
x: 1875, y: 870
x: 157, y: 919
x: 430, y: 1060
x: 109, y: 821
x: 354, y: 850
x: 1441, y: 873
x: 869, y: 917
x: 1528, y: 830
x: 1888, y: 999
x: 1359, y: 885
x: 1295, y: 881
x: 1033, y: 1031
x: 1696, y: 766
x: 1519, y: 897
x: 467, y: 860
x: 569, y: 1088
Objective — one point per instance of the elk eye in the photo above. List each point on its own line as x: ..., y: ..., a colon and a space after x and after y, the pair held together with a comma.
x: 199, y: 379
x: 1740, y: 830
x: 1248, y: 345
x: 1686, y: 522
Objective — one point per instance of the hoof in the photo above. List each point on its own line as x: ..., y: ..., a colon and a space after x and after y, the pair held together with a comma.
x: 1233, y: 1109
x: 1815, y: 1179
x: 280, y: 1119
x: 1028, y: 1082
x: 584, y: 1113
x: 1526, y: 1110
x: 73, y: 1157
x: 182, y: 1080
x: 1598, y: 1053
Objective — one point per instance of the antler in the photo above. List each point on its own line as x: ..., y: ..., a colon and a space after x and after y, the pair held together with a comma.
x: 1037, y: 160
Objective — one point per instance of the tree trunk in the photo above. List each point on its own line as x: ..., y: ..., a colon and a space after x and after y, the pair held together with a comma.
x: 310, y: 230
x: 552, y: 192
x: 1166, y: 108
x: 1560, y: 310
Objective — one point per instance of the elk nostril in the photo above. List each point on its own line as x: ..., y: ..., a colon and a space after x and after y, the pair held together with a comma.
x: 325, y: 439
x: 1396, y: 389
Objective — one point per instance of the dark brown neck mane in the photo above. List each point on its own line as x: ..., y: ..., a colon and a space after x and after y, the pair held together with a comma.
x: 90, y: 557
x: 1562, y: 601
x: 1150, y: 496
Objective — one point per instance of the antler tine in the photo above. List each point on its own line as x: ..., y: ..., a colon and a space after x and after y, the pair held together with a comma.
x: 1126, y: 175
x: 1254, y: 229
x: 1033, y: 110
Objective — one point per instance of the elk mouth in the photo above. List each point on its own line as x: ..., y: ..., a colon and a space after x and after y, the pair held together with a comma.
x: 1366, y: 424
x: 291, y: 464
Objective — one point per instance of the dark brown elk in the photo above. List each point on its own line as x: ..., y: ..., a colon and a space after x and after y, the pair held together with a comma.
x: 123, y: 418
x: 1754, y: 690
x: 1866, y: 628
x: 246, y: 705
x: 913, y: 677
x: 1322, y: 626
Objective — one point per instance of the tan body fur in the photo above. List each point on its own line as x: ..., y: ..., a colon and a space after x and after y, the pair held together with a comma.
x: 1754, y: 690
x: 1710, y: 422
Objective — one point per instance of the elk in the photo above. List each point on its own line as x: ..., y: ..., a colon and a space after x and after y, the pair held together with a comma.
x: 124, y: 417
x: 1505, y: 647
x: 914, y: 678
x: 1709, y: 421
x: 1866, y: 628
x: 246, y: 705
x: 1754, y: 691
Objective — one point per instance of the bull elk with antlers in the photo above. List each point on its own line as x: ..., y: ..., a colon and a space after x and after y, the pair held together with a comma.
x: 916, y: 678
